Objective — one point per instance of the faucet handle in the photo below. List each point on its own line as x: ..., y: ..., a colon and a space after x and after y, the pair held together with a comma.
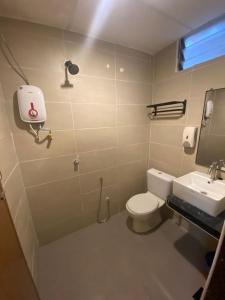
x: 213, y: 165
x: 221, y: 163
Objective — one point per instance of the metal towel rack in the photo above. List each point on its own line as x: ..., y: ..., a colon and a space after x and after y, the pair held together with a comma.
x: 178, y: 107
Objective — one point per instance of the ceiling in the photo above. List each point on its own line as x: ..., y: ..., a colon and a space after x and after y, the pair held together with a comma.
x: 146, y: 25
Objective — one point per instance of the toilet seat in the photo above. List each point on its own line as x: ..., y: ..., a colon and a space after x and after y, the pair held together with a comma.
x: 142, y: 204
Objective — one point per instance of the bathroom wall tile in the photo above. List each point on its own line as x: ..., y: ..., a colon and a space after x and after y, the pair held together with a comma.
x: 51, y: 83
x: 165, y: 63
x: 59, y: 116
x: 50, y: 232
x: 25, y: 231
x: 96, y: 139
x: 133, y: 93
x: 121, y: 50
x: 14, y: 189
x: 94, y: 160
x: 169, y: 135
x: 14, y: 26
x: 129, y: 153
x: 176, y: 88
x: 94, y: 115
x: 188, y: 163
x: 133, y: 169
x: 195, y: 110
x: 133, y: 69
x: 86, y: 43
x: 165, y: 167
x: 63, y: 196
x: 91, y: 202
x: 92, y: 60
x: 8, y: 158
x: 92, y: 90
x: 10, y: 83
x: 4, y: 122
x: 62, y: 144
x: 132, y: 115
x: 169, y: 155
x: 91, y: 181
x: 47, y: 52
x: 132, y: 135
x: 46, y: 170
x: 207, y: 77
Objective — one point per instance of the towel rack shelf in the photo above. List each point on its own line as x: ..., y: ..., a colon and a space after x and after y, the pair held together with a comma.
x: 168, y: 107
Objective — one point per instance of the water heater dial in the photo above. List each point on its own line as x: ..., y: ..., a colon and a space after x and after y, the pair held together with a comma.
x: 31, y: 104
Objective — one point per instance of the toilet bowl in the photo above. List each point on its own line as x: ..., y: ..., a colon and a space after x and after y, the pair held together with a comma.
x: 144, y: 209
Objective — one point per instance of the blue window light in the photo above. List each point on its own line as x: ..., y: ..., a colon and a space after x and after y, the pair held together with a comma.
x: 204, y: 44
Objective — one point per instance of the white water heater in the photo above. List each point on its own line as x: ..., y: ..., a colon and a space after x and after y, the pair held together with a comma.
x: 31, y: 104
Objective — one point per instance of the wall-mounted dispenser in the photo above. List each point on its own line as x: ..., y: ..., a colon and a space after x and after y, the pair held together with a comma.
x: 31, y: 104
x: 189, y: 137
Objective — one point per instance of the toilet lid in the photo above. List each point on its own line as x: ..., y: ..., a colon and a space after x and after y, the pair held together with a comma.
x: 143, y: 203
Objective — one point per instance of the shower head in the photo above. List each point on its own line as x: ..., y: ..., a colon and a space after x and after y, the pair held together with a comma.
x: 72, y: 68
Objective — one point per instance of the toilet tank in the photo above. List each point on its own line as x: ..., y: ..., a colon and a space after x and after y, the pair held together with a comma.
x: 159, y: 183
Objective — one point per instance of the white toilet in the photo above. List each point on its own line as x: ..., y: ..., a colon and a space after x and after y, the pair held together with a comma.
x: 144, y: 209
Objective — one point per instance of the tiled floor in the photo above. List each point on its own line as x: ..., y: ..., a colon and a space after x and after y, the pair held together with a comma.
x: 109, y: 262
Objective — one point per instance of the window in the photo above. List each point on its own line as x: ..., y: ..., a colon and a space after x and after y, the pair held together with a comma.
x: 204, y: 44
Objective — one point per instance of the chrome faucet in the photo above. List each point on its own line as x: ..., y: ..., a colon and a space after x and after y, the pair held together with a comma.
x: 215, y: 168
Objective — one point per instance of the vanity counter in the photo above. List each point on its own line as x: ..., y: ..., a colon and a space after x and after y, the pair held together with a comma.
x: 212, y: 225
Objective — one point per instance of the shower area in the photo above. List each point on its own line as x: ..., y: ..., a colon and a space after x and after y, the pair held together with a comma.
x: 88, y: 153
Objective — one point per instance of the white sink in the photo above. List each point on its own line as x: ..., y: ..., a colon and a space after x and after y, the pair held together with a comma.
x: 199, y: 190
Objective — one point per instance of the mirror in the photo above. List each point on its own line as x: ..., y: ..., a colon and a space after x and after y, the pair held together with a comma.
x: 211, y: 145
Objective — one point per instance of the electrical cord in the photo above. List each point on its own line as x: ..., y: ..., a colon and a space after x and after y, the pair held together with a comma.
x: 19, y: 72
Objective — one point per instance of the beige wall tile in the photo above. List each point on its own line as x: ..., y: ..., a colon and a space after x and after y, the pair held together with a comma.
x: 207, y: 77
x: 133, y: 93
x: 94, y: 160
x: 174, y: 89
x: 132, y: 115
x: 132, y: 135
x: 92, y: 90
x: 165, y: 63
x: 132, y: 170
x: 62, y: 144
x: 51, y: 84
x: 59, y: 116
x: 14, y: 189
x: 91, y: 181
x: 169, y: 155
x: 91, y: 202
x: 4, y: 122
x: 50, y: 232
x: 121, y: 50
x: 133, y: 69
x: 129, y: 153
x: 165, y: 167
x: 54, y: 203
x: 169, y: 135
x: 44, y: 52
x: 94, y: 115
x: 96, y: 139
x: 195, y: 110
x: 93, y: 60
x: 46, y: 170
x: 8, y: 158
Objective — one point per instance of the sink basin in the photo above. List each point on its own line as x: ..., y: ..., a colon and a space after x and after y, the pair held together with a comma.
x: 199, y: 190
